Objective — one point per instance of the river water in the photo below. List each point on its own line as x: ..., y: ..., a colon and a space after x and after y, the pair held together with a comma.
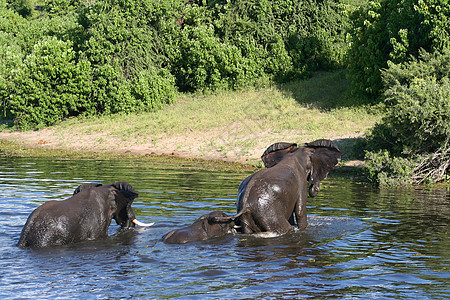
x: 362, y: 243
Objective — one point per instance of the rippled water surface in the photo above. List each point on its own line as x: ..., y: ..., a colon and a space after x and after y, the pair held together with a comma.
x: 361, y: 243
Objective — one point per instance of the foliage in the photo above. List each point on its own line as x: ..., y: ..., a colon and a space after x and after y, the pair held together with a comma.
x: 22, y: 7
x: 387, y: 170
x: 151, y: 86
x: 393, y: 31
x: 102, y: 82
x: 50, y: 85
x: 133, y: 55
x: 416, y: 126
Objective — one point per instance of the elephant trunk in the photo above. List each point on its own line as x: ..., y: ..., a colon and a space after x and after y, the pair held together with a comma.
x: 314, y: 189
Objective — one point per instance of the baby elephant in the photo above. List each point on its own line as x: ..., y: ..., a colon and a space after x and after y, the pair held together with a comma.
x: 206, y: 227
x: 84, y: 216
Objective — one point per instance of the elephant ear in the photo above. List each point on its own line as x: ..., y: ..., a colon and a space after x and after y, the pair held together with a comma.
x: 276, y: 152
x: 125, y: 189
x: 324, y: 158
x: 86, y: 186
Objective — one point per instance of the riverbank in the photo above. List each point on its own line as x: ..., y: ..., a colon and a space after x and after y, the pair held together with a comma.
x: 225, y: 126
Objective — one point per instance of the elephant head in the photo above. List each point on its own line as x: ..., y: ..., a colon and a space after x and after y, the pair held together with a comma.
x: 208, y: 226
x: 323, y: 157
x: 121, y: 196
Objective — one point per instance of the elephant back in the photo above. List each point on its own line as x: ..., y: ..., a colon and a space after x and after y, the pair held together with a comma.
x: 86, y: 186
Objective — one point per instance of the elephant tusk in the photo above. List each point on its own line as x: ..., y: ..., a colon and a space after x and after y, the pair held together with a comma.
x: 135, y: 221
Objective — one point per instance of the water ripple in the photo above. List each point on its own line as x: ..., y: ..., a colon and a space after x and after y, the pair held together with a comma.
x: 361, y: 242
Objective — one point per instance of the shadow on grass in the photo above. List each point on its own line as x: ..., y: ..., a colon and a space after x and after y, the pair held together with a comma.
x: 352, y: 151
x: 324, y: 90
x: 6, y: 124
x: 351, y: 148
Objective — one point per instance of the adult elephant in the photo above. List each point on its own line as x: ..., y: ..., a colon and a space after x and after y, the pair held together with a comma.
x: 268, y: 199
x: 84, y: 216
x: 206, y: 227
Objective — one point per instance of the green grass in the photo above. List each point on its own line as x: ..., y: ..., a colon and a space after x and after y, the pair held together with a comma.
x: 234, y: 123
x: 312, y: 107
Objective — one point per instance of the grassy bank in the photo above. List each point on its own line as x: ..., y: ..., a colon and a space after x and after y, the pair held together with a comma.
x: 231, y: 126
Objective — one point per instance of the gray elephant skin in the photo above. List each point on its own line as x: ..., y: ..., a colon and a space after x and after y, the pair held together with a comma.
x: 84, y: 216
x: 212, y: 225
x: 269, y: 199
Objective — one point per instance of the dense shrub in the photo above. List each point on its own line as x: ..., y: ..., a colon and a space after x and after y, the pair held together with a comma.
x: 387, y: 170
x: 153, y: 88
x: 393, y: 31
x: 111, y: 93
x: 134, y: 54
x: 291, y: 36
x: 121, y: 41
x: 203, y: 61
x: 22, y: 7
x: 416, y: 128
x: 50, y: 85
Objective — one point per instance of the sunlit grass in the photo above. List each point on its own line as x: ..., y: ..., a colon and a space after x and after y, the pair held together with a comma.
x: 272, y: 109
x: 234, y: 123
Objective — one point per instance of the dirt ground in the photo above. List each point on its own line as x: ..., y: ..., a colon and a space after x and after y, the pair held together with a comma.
x: 217, y: 144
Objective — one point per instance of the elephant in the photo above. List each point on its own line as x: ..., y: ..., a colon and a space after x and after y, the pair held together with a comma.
x: 268, y: 199
x: 204, y: 228
x: 84, y: 216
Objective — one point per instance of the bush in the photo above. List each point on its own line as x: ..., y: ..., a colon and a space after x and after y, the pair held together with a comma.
x: 204, y: 62
x: 386, y: 170
x: 134, y: 54
x: 121, y: 41
x: 154, y: 88
x: 11, y: 58
x: 50, y: 85
x: 22, y: 7
x: 111, y: 93
x: 416, y: 126
x: 291, y: 37
x: 393, y: 31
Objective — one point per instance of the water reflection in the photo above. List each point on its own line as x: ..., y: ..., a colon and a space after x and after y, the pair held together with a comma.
x: 361, y: 242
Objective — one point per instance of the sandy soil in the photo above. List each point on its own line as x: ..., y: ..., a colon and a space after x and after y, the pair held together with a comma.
x: 217, y: 144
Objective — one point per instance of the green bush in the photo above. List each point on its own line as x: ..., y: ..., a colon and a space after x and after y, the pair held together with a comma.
x: 121, y: 41
x: 111, y: 93
x: 393, y: 31
x: 386, y: 170
x: 204, y: 62
x: 154, y: 88
x: 418, y: 100
x: 416, y: 126
x: 22, y: 7
x: 50, y: 85
x: 291, y: 37
x: 133, y: 55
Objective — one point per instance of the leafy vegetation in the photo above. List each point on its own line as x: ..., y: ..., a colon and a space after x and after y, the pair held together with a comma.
x: 412, y: 142
x: 60, y: 59
x: 393, y: 31
x: 132, y: 56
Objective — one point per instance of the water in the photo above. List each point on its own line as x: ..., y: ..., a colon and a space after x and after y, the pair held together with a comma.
x: 361, y: 243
